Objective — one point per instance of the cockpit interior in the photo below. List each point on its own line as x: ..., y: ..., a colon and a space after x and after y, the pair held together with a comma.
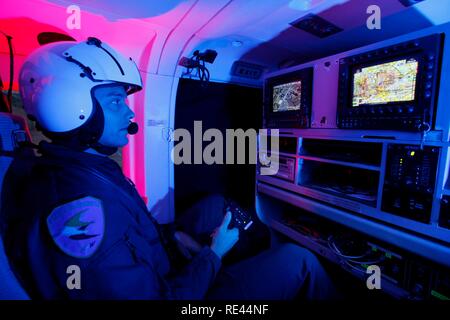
x: 326, y: 123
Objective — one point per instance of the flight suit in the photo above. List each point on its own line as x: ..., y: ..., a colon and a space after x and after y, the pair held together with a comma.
x: 80, y: 210
x: 129, y: 263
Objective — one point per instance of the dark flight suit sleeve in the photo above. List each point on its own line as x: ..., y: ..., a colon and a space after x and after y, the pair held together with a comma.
x: 133, y: 278
x: 134, y: 266
x: 125, y: 273
x: 195, y: 279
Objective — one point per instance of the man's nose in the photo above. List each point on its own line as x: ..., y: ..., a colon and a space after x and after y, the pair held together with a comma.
x: 130, y: 114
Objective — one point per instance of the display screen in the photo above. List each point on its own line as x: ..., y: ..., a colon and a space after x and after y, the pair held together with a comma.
x: 384, y: 83
x: 287, y: 96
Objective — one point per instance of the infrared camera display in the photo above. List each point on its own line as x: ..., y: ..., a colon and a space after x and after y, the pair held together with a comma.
x: 287, y: 96
x: 288, y: 99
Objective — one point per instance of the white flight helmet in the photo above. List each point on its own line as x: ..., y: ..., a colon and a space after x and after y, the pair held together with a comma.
x: 56, y: 82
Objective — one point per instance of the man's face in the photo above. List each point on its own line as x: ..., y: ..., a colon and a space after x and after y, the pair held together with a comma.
x: 117, y: 115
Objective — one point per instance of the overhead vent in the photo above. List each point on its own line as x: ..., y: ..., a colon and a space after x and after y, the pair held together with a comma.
x: 409, y: 3
x: 316, y: 26
x: 247, y: 70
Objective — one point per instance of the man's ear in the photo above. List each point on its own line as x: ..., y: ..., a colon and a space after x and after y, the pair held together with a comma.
x: 90, y: 133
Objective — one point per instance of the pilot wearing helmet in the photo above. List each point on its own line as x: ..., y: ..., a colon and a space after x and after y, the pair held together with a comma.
x: 80, y: 210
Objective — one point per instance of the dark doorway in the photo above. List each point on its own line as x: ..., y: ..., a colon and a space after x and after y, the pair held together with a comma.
x: 221, y: 106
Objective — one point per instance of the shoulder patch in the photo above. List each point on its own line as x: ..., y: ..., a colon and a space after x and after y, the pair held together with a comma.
x: 78, y: 227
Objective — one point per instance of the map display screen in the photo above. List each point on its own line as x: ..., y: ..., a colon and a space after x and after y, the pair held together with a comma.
x: 383, y: 83
x: 287, y: 96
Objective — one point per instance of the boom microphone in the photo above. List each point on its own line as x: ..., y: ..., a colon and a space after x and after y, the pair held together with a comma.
x: 133, y: 128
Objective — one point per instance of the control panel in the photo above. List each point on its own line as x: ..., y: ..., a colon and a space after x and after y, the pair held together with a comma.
x: 410, y: 180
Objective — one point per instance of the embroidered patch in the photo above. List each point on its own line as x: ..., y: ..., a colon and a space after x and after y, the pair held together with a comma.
x: 78, y: 227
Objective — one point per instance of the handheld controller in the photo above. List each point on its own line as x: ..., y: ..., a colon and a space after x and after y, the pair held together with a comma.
x: 240, y: 219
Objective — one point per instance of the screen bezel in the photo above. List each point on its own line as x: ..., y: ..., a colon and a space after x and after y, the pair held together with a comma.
x: 300, y: 118
x: 352, y: 70
x: 405, y: 115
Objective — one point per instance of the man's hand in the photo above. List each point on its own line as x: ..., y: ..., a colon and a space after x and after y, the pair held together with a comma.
x: 224, y: 239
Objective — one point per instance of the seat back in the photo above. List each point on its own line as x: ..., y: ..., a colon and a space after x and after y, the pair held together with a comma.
x: 13, y: 130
